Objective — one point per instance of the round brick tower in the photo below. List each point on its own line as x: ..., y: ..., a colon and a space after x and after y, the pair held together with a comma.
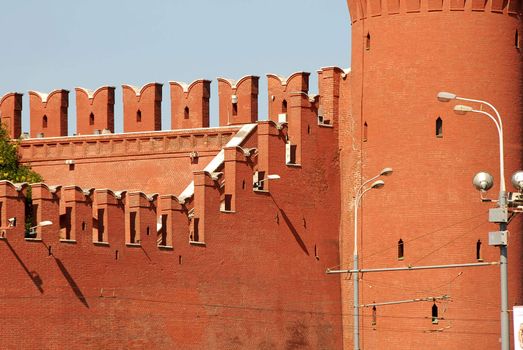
x: 403, y: 53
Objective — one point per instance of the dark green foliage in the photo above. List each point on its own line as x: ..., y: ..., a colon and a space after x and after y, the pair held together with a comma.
x: 10, y: 167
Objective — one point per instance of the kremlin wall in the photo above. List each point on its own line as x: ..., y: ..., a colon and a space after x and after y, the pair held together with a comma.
x: 178, y: 239
x: 220, y: 237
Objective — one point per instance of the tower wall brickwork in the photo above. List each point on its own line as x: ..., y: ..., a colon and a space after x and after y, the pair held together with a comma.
x: 403, y: 54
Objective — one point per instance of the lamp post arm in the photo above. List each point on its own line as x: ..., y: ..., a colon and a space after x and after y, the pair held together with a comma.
x: 356, y: 206
x: 499, y: 121
x: 501, y: 152
x: 364, y: 183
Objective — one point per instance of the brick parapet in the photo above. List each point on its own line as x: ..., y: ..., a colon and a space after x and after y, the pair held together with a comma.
x: 125, y: 145
x: 94, y: 110
x: 190, y: 104
x: 142, y: 107
x: 238, y: 100
x: 11, y: 113
x: 280, y: 88
x: 369, y: 9
x: 48, y: 113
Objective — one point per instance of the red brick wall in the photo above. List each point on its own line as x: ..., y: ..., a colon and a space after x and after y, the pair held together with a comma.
x: 94, y: 110
x: 11, y: 113
x: 149, y: 162
x: 256, y: 279
x: 429, y: 202
x: 48, y: 113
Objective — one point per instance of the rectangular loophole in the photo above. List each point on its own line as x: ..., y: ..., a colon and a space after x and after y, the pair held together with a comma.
x: 132, y: 227
x: 163, y: 231
x: 100, y: 225
x: 67, y: 223
x: 196, y: 230
x: 228, y: 202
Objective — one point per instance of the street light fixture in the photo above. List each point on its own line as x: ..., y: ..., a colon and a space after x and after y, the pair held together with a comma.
x: 359, y: 194
x: 517, y: 180
x: 258, y: 184
x: 499, y: 215
x: 483, y: 181
x: 32, y: 230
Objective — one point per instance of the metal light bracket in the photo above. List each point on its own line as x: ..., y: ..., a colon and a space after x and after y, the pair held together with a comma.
x: 498, y: 238
x: 498, y: 215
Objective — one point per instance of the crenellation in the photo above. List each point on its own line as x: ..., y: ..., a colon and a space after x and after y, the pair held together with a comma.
x: 12, y: 209
x: 233, y: 157
x: 46, y: 207
x: 300, y: 111
x: 190, y: 104
x: 11, y: 113
x: 238, y: 100
x: 142, y: 107
x: 141, y: 221
x: 94, y: 110
x: 109, y: 214
x: 376, y: 8
x: 279, y: 89
x: 237, y: 174
x: 271, y: 152
x: 76, y: 220
x: 173, y: 219
x: 331, y: 82
x: 206, y: 201
x: 48, y: 113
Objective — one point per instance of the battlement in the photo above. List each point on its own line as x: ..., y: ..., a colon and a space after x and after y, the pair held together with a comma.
x: 232, y: 179
x: 238, y: 104
x: 360, y: 10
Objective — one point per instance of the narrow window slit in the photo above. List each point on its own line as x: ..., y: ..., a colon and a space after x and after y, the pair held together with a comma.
x: 91, y: 119
x: 478, y: 250
x: 44, y: 122
x: 132, y: 238
x: 435, y: 314
x: 100, y: 225
x: 186, y: 113
x: 228, y: 202
x: 284, y: 106
x: 401, y: 250
x: 373, y: 315
x: 365, y: 131
x: 163, y: 231
x: 196, y: 233
x: 367, y: 42
x: 139, y: 116
x: 439, y: 127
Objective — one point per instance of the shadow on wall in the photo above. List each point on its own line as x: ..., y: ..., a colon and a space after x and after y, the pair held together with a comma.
x: 292, y: 228
x: 71, y: 282
x: 33, y: 275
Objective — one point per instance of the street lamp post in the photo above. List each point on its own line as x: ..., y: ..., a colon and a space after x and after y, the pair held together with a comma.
x: 359, y: 194
x: 497, y: 215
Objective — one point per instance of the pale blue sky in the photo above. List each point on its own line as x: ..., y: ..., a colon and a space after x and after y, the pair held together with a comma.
x: 64, y: 44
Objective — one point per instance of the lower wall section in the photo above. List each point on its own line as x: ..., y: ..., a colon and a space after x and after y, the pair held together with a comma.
x: 246, y: 289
